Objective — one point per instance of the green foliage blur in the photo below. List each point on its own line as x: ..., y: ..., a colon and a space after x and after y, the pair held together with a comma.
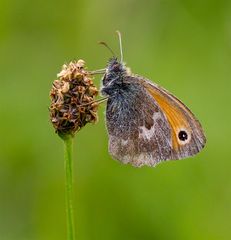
x: 183, y: 45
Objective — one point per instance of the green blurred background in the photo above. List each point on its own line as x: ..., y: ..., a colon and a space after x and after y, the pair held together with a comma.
x: 185, y: 46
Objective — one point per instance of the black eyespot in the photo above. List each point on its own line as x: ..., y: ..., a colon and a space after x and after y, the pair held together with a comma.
x: 182, y: 135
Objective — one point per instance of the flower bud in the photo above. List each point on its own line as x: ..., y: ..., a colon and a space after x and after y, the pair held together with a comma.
x: 72, y: 99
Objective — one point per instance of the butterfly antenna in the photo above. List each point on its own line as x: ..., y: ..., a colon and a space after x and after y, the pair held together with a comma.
x: 121, y: 48
x: 105, y: 44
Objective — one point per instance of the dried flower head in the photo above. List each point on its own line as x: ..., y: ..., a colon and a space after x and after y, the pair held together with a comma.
x: 72, y: 99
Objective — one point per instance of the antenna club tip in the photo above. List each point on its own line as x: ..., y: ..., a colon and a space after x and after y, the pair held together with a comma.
x: 118, y: 32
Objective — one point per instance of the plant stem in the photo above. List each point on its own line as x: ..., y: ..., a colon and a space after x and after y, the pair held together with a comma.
x: 68, y: 142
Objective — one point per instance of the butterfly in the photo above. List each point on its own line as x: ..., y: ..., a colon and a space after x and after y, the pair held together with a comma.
x: 146, y: 124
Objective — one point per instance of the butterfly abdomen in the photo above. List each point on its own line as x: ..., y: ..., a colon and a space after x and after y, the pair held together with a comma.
x: 122, y: 110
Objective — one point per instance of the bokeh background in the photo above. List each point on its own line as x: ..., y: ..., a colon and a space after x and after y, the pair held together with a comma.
x: 183, y: 45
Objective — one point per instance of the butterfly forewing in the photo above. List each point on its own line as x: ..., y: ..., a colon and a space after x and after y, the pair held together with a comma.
x: 187, y: 135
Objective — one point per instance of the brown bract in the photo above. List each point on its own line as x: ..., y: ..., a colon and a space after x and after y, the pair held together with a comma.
x: 72, y: 99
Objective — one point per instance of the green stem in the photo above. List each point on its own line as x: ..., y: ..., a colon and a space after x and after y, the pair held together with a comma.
x: 68, y: 141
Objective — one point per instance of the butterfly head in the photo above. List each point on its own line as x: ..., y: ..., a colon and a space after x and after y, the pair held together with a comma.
x: 115, y: 71
x: 113, y: 78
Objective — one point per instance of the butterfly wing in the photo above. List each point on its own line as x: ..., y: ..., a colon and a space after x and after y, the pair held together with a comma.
x: 187, y: 135
x: 144, y: 121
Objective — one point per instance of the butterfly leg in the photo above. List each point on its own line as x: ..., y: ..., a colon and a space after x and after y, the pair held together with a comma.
x: 99, y: 71
x: 98, y: 101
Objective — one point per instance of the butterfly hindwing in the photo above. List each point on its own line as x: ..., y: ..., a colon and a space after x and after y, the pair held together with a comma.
x: 139, y: 132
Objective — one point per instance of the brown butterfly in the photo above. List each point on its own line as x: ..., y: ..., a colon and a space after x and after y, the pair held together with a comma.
x: 146, y: 124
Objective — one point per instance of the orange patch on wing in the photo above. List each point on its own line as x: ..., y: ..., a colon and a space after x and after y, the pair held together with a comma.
x: 172, y: 111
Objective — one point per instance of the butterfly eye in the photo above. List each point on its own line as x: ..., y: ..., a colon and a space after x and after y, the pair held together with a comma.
x: 182, y: 135
x: 116, y: 67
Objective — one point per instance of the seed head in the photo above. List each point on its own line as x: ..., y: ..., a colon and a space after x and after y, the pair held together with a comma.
x: 72, y: 99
